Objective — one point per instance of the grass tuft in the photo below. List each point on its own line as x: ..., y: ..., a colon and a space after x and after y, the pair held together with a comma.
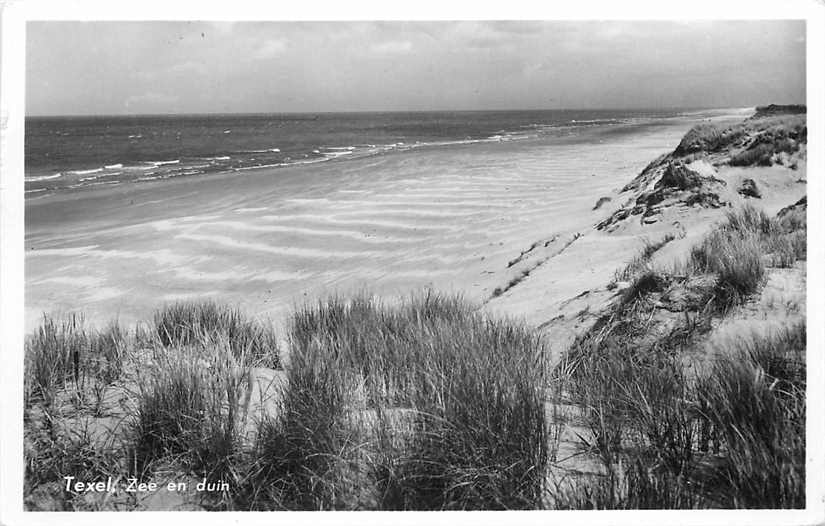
x: 753, y: 399
x: 737, y: 261
x: 423, y: 405
x: 640, y: 264
x: 63, y: 352
x: 188, y: 411
x: 206, y: 322
x: 731, y: 437
x: 739, y: 250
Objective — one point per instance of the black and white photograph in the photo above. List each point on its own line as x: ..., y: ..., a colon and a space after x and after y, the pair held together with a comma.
x: 413, y: 264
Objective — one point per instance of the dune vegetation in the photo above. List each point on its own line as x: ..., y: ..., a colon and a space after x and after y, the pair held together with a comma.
x: 425, y: 404
x: 674, y: 428
x: 421, y: 405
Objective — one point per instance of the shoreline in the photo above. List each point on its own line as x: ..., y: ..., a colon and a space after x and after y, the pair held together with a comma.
x: 557, y: 133
x: 85, y: 218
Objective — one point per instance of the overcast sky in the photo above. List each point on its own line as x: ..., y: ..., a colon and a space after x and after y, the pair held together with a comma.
x: 200, y: 67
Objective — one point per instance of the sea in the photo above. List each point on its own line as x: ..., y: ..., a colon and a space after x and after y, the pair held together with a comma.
x: 76, y: 153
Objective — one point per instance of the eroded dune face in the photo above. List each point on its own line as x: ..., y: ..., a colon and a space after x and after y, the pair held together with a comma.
x: 676, y: 199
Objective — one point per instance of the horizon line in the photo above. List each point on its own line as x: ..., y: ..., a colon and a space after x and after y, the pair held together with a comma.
x: 327, y: 112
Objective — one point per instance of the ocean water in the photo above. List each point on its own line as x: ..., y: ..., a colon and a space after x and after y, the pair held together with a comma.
x: 64, y: 153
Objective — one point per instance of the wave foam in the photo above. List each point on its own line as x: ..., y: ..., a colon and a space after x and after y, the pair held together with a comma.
x: 43, y: 177
x: 86, y: 172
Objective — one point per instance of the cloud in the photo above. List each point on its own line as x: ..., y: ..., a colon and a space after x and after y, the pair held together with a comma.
x: 270, y: 48
x: 182, y: 69
x: 518, y: 27
x: 223, y: 28
x: 187, y: 68
x: 151, y: 101
x: 484, y: 42
x: 393, y: 47
x: 98, y: 67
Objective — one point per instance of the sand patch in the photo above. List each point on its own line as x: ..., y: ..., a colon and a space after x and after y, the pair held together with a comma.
x: 161, y: 256
x: 234, y: 244
x: 305, y: 231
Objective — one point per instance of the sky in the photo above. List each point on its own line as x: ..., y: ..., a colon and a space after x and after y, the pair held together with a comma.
x: 109, y: 68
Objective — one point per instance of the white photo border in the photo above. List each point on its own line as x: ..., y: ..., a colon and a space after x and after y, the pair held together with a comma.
x: 16, y: 13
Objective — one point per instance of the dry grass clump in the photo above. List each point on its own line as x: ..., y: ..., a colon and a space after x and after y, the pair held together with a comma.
x: 732, y: 436
x: 187, y: 400
x: 760, y: 154
x: 645, y: 283
x: 771, y: 135
x: 635, y: 403
x: 708, y: 138
x: 631, y: 486
x: 62, y: 352
x: 307, y: 457
x: 782, y: 135
x: 53, y: 356
x: 424, y: 405
x: 737, y: 261
x: 642, y: 277
x: 753, y: 400
x: 190, y: 323
x: 188, y: 411
x: 68, y: 368
x: 740, y: 249
x: 679, y: 177
x: 480, y: 439
x: 640, y: 263
x: 69, y: 449
x: 750, y: 219
x: 793, y: 223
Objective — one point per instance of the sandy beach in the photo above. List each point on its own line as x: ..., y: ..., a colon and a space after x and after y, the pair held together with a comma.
x: 450, y: 218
